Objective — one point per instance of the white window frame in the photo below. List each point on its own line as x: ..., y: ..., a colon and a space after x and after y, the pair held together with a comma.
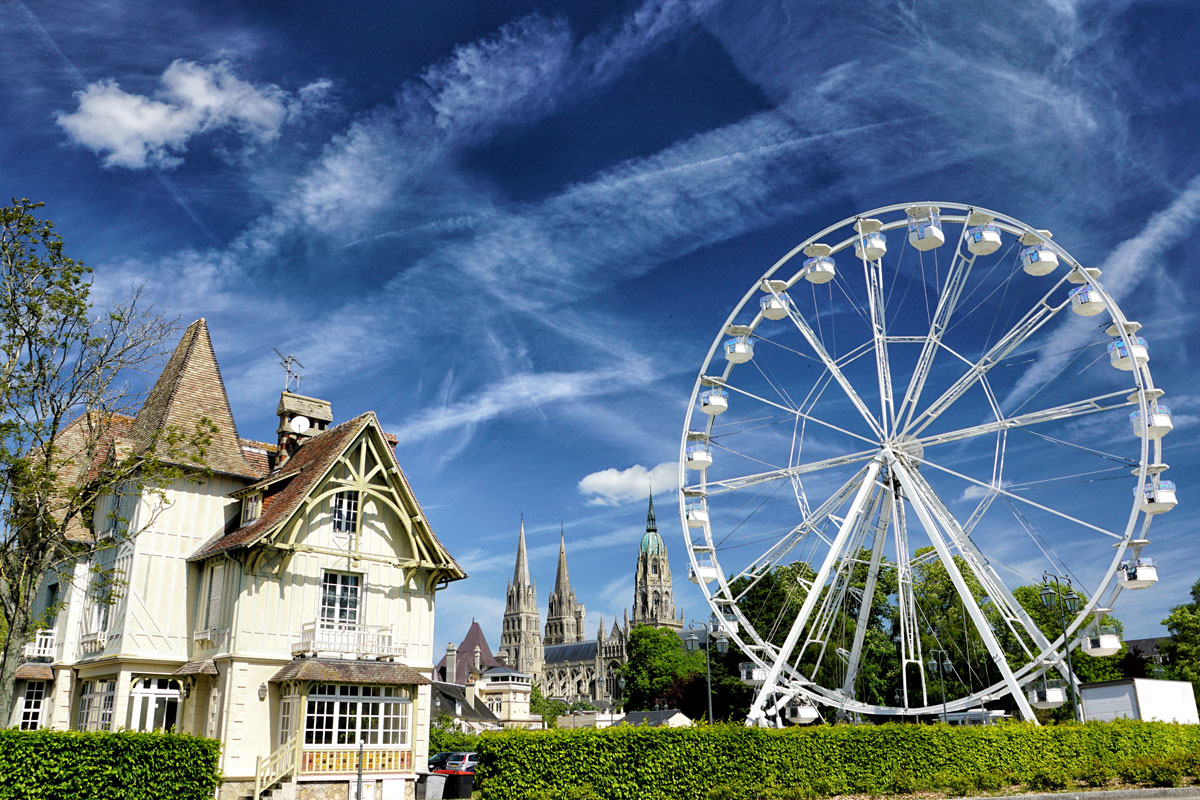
x: 96, y: 704
x: 154, y: 694
x: 345, y: 512
x: 32, y: 704
x: 251, y: 507
x: 335, y: 611
x: 337, y: 715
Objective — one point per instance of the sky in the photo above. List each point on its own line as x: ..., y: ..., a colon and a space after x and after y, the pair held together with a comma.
x: 513, y: 229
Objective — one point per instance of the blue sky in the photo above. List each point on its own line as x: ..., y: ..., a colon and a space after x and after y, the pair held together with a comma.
x: 513, y: 229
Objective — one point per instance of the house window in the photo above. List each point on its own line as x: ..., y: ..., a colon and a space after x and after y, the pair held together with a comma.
x: 95, y: 705
x: 251, y: 507
x: 339, y: 715
x: 286, y: 716
x: 345, y: 512
x: 154, y: 704
x: 340, y: 599
x: 31, y: 709
x: 209, y: 614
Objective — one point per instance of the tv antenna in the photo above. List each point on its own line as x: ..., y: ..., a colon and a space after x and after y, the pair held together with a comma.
x: 289, y: 363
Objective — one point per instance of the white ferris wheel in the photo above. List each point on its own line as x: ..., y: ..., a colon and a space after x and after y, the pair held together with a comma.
x: 923, y: 392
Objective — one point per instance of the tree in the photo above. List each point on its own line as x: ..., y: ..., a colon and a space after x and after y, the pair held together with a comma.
x: 64, y: 398
x: 659, y: 670
x: 1182, y: 651
x: 549, y: 710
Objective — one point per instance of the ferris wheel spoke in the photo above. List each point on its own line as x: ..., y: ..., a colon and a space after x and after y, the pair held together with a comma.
x: 998, y: 490
x: 832, y: 366
x: 1033, y: 320
x: 919, y: 499
x: 758, y: 709
x: 956, y: 281
x: 1077, y: 408
x: 793, y: 411
x: 715, y: 487
x: 873, y: 274
x: 868, y: 599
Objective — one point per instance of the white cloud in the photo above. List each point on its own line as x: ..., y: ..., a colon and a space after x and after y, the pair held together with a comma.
x: 610, y: 487
x: 136, y: 132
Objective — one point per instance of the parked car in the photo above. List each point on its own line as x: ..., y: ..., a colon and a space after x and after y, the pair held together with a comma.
x: 460, y: 762
x: 438, y: 760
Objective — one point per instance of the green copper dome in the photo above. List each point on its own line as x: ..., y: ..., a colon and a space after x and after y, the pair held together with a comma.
x: 652, y: 543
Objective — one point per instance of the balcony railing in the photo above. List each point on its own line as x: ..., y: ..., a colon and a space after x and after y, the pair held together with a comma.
x: 42, y: 645
x: 357, y: 641
x: 93, y: 642
x: 293, y: 759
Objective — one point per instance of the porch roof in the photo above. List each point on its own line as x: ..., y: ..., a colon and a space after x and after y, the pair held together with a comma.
x: 206, y: 667
x: 337, y: 670
x: 34, y: 672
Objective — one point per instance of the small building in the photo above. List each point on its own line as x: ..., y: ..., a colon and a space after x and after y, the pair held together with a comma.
x: 589, y: 719
x: 466, y: 711
x: 1140, y: 698
x: 665, y: 718
x: 482, y: 678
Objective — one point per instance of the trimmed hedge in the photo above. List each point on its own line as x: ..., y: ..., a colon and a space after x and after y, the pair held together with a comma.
x: 730, y: 761
x: 70, y: 765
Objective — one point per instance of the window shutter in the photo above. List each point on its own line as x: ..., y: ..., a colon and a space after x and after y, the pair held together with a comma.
x: 216, y: 585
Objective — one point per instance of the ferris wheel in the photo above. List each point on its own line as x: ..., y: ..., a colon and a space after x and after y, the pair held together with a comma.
x: 906, y: 423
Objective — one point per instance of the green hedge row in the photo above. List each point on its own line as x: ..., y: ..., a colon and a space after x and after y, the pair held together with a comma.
x: 731, y: 761
x: 70, y: 765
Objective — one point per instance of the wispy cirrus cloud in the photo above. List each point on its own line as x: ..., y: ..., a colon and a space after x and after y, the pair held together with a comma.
x: 137, y: 132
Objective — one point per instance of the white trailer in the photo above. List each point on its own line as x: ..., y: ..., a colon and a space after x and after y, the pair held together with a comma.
x: 1140, y: 698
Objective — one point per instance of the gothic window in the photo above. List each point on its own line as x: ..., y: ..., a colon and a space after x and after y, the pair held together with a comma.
x: 654, y: 566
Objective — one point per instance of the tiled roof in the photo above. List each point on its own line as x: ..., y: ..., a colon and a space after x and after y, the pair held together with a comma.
x: 34, y: 672
x: 449, y: 699
x: 206, y: 667
x: 337, y: 670
x: 84, y: 445
x: 190, y: 387
x: 465, y: 660
x: 654, y: 719
x: 571, y: 651
x: 309, y: 464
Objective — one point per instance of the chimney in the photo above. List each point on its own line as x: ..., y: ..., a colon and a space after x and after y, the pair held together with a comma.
x: 478, y: 660
x: 300, y: 419
x: 451, y: 663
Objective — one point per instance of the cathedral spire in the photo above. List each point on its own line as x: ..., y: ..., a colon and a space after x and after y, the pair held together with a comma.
x: 521, y: 570
x: 562, y: 581
x: 651, y: 524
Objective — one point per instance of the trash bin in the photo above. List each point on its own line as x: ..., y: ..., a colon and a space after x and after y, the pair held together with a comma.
x: 430, y: 785
x: 459, y: 784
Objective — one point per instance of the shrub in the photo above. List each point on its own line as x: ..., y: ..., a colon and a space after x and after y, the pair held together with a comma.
x: 953, y: 782
x: 1096, y: 773
x: 901, y: 782
x: 1049, y: 778
x: 990, y: 781
x: 1134, y: 770
x: 72, y: 765
x: 1164, y: 772
x: 829, y: 786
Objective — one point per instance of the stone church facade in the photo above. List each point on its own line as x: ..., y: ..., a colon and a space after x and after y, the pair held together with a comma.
x: 565, y: 663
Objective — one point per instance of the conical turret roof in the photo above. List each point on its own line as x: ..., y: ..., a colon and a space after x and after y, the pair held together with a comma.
x: 189, y: 389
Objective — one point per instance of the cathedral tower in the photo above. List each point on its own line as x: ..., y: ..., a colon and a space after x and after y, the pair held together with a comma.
x: 653, y: 602
x: 521, y: 639
x: 565, y: 619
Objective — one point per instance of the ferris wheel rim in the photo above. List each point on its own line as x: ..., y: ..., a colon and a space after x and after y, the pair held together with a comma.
x: 721, y: 601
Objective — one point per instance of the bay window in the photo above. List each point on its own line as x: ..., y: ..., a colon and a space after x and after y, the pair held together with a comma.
x: 340, y: 715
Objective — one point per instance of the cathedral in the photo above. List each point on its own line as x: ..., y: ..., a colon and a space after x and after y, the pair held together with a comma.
x: 565, y: 663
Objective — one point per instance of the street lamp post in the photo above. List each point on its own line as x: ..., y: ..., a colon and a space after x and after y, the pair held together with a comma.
x: 692, y: 641
x: 941, y: 666
x: 1055, y: 597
